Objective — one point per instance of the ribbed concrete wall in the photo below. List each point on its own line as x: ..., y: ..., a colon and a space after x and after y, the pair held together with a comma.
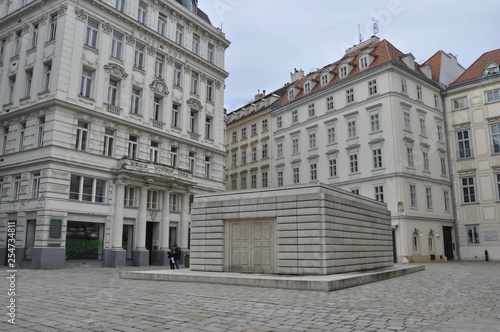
x: 318, y: 229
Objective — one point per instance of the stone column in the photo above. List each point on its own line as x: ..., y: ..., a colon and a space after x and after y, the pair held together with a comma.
x: 165, y: 229
x: 117, y: 255
x: 140, y: 254
x: 184, y: 224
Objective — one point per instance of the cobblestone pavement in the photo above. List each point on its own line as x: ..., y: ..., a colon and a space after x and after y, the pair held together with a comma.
x: 453, y: 296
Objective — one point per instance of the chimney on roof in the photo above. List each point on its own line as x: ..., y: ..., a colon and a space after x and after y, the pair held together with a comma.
x: 259, y: 95
x: 296, y: 75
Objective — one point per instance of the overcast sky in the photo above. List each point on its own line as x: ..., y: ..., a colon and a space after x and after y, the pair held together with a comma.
x: 269, y: 38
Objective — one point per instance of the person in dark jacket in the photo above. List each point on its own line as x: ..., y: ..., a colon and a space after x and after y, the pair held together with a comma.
x: 177, y: 256
x: 171, y: 259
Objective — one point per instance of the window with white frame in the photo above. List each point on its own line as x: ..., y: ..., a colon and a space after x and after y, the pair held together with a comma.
x: 265, y: 180
x: 331, y: 134
x: 142, y: 12
x: 109, y: 142
x: 472, y: 232
x: 29, y: 83
x: 195, y: 47
x: 492, y: 96
x: 279, y: 149
x: 179, y: 34
x: 313, y: 168
x: 18, y: 42
x: 407, y: 119
x: 82, y: 132
x: 178, y: 74
x: 22, y: 135
x: 353, y: 163
x: 291, y: 94
x: 443, y: 166
x: 133, y: 147
x: 265, y: 151
x: 332, y: 167
x: 174, y: 203
x: 349, y: 95
x: 440, y: 132
x: 468, y: 189
x: 53, y: 27
x: 372, y: 87
x: 234, y: 136
x: 174, y: 156
x: 139, y: 56
x: 264, y: 125
x: 176, y: 119
x: 117, y: 45
x: 296, y: 174
x: 12, y: 87
x: 329, y: 103
x: 243, y: 157
x: 423, y: 128
x: 425, y: 158
x: 87, y: 189
x: 35, y: 184
x: 404, y: 86
x: 428, y: 196
x: 355, y: 191
x: 430, y: 240
x: 253, y: 181
x: 34, y: 35
x: 86, y: 82
x: 243, y: 133
x: 162, y: 24
x: 5, y: 140
x: 234, y: 157
x: 208, y: 167
x: 495, y: 137
x: 415, y: 241
x: 113, y: 92
x: 446, y: 199
x: 192, y: 162
x: 16, y: 188
x: 377, y: 158
x: 135, y: 101
x: 47, y: 69
x: 41, y: 131
x: 154, y: 152
x: 312, y: 110
x: 295, y: 145
x: 195, y: 77
x: 379, y: 193
x: 374, y: 122
x: 324, y: 79
x: 279, y: 122
x: 153, y: 201
x: 280, y: 178
x: 419, y: 92
x: 120, y: 5
x: 409, y: 156
x: 3, y: 44
x: 413, y: 195
x: 436, y: 100
x: 254, y: 153
x: 92, y: 33
x: 211, y: 53
x: 458, y: 103
x: 312, y: 140
x: 129, y: 199
x: 254, y: 129
x: 363, y: 62
x: 343, y: 71
x: 464, y: 144
x: 295, y: 116
x: 159, y: 65
x: 157, y: 108
x: 307, y: 87
x: 1, y: 187
x: 234, y: 184
x: 210, y: 90
x: 243, y: 182
x: 193, y: 122
x: 352, y: 131
x: 497, y: 179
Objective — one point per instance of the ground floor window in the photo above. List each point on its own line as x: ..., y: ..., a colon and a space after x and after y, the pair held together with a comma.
x: 472, y: 234
x: 84, y: 240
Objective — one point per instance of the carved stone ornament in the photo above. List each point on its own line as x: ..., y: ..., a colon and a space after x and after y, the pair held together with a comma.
x: 130, y: 39
x: 115, y: 70
x: 159, y: 86
x: 195, y: 104
x: 151, y: 50
x: 26, y: 28
x: 106, y: 27
x: 62, y: 9
x: 81, y: 14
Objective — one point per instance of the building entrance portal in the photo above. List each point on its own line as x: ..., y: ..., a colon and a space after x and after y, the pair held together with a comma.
x: 448, y: 243
x: 252, y: 247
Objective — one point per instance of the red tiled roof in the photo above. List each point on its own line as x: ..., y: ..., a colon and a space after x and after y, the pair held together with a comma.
x: 435, y: 63
x: 382, y: 51
x: 476, y: 70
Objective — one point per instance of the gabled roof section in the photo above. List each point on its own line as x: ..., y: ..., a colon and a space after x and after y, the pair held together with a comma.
x: 435, y: 63
x: 476, y: 70
x: 382, y: 52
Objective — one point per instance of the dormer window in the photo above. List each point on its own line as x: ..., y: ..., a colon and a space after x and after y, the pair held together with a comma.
x: 324, y: 80
x: 343, y: 71
x: 307, y: 87
x: 291, y: 94
x: 491, y: 69
x: 363, y: 62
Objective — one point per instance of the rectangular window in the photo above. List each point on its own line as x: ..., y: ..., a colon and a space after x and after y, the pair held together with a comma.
x: 409, y: 156
x: 117, y: 45
x: 440, y: 133
x: 208, y: 127
x: 324, y: 80
x: 193, y: 122
x: 208, y: 167
x: 280, y: 178
x: 413, y: 195
x: 243, y: 157
x: 174, y: 203
x: 296, y: 174
x: 243, y: 133
x: 407, y: 119
x: 86, y: 83
x: 353, y: 163
x: 35, y: 184
x: 34, y: 35
x: 423, y: 129
x: 82, y: 132
x: 178, y: 75
x: 331, y: 135
x: 254, y: 154
x: 139, y: 56
x: 29, y: 82
x: 375, y: 122
x: 349, y: 95
x: 234, y: 184
x: 120, y: 5
x: 468, y: 190
x: 495, y: 137
x: 12, y: 87
x: 179, y: 34
x: 91, y: 35
x: 112, y: 92
x: 332, y: 167
x: 264, y: 151
x: 428, y: 196
x: 153, y: 200
x: 162, y: 24
x: 363, y: 62
x: 234, y: 136
x: 312, y: 140
x: 279, y: 150
x: 312, y: 111
x: 351, y: 128
x: 142, y: 12
x: 404, y: 87
x: 16, y: 188
x: 265, y: 181
x: 492, y: 96
x: 210, y: 90
x: 175, y: 116
x: 314, y: 171
x: 458, y: 103
x: 211, y: 53
x: 377, y: 159
x: 18, y: 42
x: 41, y: 131
x: 279, y: 122
x: 446, y: 197
x: 443, y: 166
x: 264, y: 125
x: 53, y: 27
x: 379, y: 193
x: 87, y: 189
x: 419, y: 92
x: 472, y: 234
x: 436, y: 100
x: 295, y: 145
x: 307, y: 87
x: 3, y: 43
x: 254, y: 129
x: 329, y: 103
x: 5, y: 140
x: 129, y: 197
x: 194, y: 82
x: 154, y: 152
x: 243, y: 182
x: 109, y: 142
x: 22, y: 135
x: 174, y: 156
x: 159, y: 65
x: 372, y: 87
x: 234, y: 157
x: 425, y: 157
x: 253, y: 181
x: 46, y: 76
x: 157, y: 102
x: 133, y: 147
x: 497, y: 176
x: 196, y: 44
x: 135, y: 101
x: 295, y: 116
x: 192, y: 162
x: 464, y: 144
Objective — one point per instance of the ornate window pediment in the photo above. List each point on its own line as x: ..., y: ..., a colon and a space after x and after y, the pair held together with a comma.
x: 159, y: 87
x: 116, y: 70
x: 195, y: 104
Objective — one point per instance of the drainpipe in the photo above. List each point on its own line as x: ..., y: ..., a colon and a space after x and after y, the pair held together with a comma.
x: 452, y: 180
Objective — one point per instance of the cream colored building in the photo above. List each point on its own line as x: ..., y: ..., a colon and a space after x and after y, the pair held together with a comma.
x: 112, y: 119
x: 373, y: 123
x: 473, y: 114
x: 249, y: 137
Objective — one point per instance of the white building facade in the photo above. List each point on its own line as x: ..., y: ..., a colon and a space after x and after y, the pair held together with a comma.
x: 112, y: 119
x: 473, y: 113
x: 373, y: 123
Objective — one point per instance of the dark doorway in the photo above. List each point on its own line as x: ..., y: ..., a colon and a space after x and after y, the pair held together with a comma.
x: 394, y: 254
x: 149, y: 239
x: 448, y: 243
